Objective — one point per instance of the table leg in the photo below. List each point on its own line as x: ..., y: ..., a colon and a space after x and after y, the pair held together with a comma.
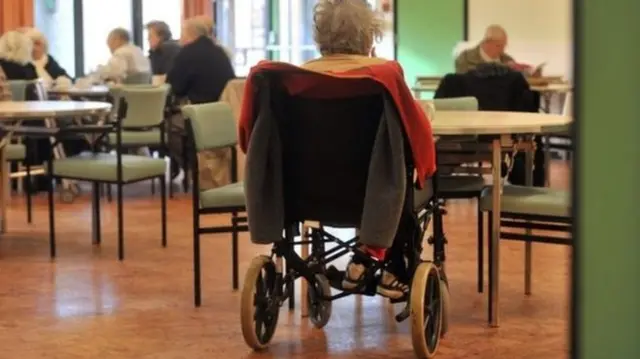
x: 494, y: 243
x: 4, y: 189
x: 95, y: 213
x: 527, y: 245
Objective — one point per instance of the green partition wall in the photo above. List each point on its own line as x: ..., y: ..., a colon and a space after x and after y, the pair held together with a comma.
x: 607, y: 268
x: 427, y: 32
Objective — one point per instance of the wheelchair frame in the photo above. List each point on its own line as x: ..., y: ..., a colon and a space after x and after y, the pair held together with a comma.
x: 314, y: 270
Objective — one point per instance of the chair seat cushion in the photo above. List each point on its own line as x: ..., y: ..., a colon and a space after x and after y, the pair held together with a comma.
x: 15, y: 152
x: 450, y: 185
x: 132, y: 138
x: 103, y: 167
x: 540, y: 201
x: 231, y: 195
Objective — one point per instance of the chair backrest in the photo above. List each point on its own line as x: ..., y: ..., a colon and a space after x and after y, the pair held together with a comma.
x: 326, y: 153
x: 144, y: 104
x: 138, y: 78
x: 212, y: 125
x: 468, y: 103
x: 18, y: 89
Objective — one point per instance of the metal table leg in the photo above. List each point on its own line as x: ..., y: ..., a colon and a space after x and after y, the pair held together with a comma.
x: 529, y: 152
x: 494, y: 242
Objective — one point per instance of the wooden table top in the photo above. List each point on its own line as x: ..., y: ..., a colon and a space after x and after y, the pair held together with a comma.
x: 39, y: 109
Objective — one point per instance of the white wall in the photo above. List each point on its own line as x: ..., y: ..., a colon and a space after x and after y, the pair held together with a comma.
x: 57, y: 25
x: 539, y: 30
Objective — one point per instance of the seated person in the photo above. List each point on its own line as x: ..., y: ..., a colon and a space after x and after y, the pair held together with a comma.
x: 163, y: 48
x: 15, y: 56
x: 5, y: 90
x: 126, y: 58
x: 490, y: 50
x: 46, y: 66
x: 345, y: 32
x: 200, y: 73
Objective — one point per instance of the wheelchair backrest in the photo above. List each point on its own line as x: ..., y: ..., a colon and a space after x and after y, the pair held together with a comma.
x: 326, y: 151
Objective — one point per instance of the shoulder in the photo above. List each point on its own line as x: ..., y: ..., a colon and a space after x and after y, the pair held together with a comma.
x: 471, y: 53
x: 170, y: 47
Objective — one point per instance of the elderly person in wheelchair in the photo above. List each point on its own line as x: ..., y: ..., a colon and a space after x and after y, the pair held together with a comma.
x: 341, y: 142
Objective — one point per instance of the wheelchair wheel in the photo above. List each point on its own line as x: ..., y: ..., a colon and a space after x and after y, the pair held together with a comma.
x: 259, y: 303
x: 446, y: 307
x: 426, y: 310
x: 319, y: 309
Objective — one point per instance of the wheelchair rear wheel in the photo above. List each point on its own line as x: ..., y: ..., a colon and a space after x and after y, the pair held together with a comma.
x: 319, y: 309
x: 260, y: 305
x: 426, y: 310
x: 446, y: 307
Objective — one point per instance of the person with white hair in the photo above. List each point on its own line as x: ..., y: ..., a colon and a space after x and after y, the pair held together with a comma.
x: 5, y: 90
x: 15, y: 56
x: 490, y: 50
x: 199, y: 74
x: 126, y: 58
x: 46, y: 66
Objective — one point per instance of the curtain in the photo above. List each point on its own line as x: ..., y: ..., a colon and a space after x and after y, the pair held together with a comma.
x: 191, y: 8
x: 16, y: 13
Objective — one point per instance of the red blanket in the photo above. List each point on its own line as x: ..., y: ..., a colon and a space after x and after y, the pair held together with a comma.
x: 357, y: 81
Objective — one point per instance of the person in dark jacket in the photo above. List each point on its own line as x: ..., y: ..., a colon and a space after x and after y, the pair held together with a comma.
x: 163, y: 48
x: 47, y: 68
x: 202, y: 68
x: 199, y: 74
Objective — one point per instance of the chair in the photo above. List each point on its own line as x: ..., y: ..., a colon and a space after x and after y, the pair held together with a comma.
x: 17, y: 152
x: 138, y: 78
x: 212, y: 126
x: 458, y: 182
x: 530, y: 208
x: 119, y: 169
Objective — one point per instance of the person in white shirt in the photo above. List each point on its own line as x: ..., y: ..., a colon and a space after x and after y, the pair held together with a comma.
x: 126, y: 58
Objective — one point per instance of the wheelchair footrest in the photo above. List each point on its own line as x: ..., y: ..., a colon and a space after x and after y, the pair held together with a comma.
x: 336, y: 277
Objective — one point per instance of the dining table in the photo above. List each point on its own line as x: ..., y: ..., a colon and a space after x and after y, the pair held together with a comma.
x: 16, y: 111
x: 500, y: 127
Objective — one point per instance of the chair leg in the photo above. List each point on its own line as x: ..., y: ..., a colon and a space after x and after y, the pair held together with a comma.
x: 234, y: 249
x: 120, y: 222
x: 480, y: 250
x: 52, y: 227
x: 108, y: 190
x: 95, y: 206
x: 490, y: 255
x: 153, y: 186
x: 197, y: 290
x: 27, y: 189
x: 163, y: 209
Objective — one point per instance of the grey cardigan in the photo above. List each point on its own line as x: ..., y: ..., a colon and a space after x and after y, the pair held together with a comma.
x: 385, y: 192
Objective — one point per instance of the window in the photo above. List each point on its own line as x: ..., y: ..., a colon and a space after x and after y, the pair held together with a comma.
x: 99, y: 18
x: 170, y: 12
x: 57, y: 24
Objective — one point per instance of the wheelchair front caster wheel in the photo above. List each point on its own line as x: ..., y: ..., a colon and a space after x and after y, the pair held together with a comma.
x: 67, y: 196
x: 446, y: 307
x: 319, y: 308
x: 260, y: 306
x: 426, y: 310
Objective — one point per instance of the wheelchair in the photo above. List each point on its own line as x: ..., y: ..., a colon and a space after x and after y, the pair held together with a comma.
x: 324, y: 178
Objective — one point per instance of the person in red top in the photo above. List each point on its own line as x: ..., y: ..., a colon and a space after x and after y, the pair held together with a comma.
x: 345, y: 32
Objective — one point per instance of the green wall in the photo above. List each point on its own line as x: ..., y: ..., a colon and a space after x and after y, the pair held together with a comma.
x: 428, y: 31
x: 608, y: 188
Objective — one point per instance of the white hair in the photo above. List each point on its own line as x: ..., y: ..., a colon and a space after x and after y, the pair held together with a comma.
x: 495, y: 32
x: 36, y: 36
x: 17, y: 47
x: 197, y: 27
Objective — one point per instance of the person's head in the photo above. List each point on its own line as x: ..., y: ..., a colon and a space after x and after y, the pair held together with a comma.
x: 117, y: 38
x: 345, y: 27
x: 495, y: 41
x: 193, y: 29
x: 17, y: 47
x: 40, y: 44
x: 157, y: 33
x: 207, y: 22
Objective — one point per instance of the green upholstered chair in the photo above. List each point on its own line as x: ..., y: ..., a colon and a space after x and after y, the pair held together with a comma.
x: 457, y: 182
x: 17, y: 152
x: 118, y: 168
x: 212, y: 126
x: 138, y: 78
x: 529, y: 209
